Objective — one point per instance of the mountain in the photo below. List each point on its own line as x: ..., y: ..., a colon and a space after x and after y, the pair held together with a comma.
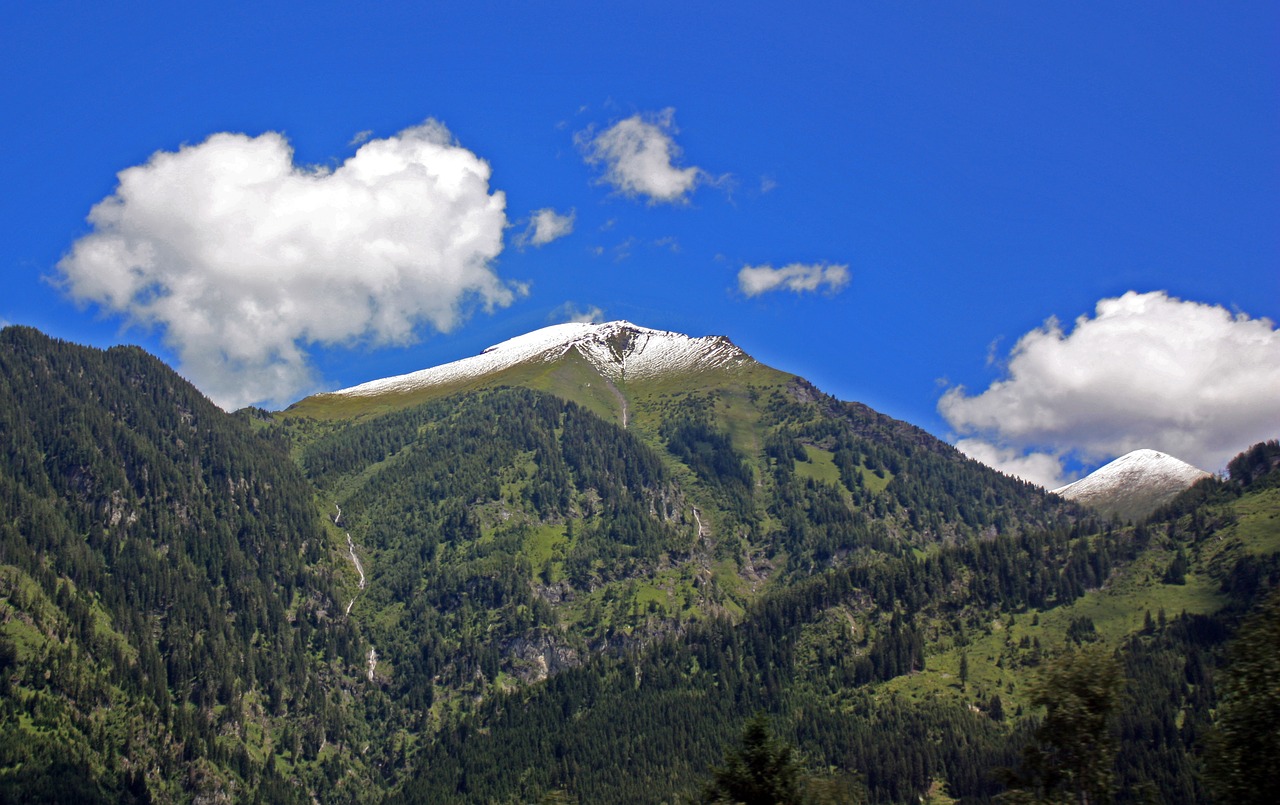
x: 566, y: 578
x: 619, y: 351
x: 1134, y: 485
x: 543, y: 521
x: 587, y: 363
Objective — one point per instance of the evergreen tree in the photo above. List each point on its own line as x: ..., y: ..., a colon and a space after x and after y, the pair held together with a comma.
x: 1244, y: 749
x: 1177, y: 572
x: 762, y: 771
x: 1073, y: 756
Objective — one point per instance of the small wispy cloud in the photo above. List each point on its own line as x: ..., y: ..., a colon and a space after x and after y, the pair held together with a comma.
x: 669, y: 243
x: 570, y: 311
x: 639, y: 157
x: 361, y: 137
x: 632, y: 245
x: 622, y: 251
x: 794, y: 277
x: 546, y: 225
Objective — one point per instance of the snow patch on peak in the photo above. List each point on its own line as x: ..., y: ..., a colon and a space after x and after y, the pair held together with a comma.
x: 619, y: 350
x: 622, y: 351
x: 1135, y: 484
x: 1142, y: 464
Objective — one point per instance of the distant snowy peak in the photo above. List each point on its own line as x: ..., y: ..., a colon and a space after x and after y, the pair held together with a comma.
x: 619, y: 350
x: 1146, y: 467
x: 1135, y: 484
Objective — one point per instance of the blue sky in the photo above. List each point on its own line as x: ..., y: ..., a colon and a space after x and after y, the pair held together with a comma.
x: 948, y: 178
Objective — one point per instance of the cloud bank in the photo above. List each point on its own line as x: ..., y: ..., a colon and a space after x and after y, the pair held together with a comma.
x: 546, y: 225
x: 795, y: 277
x: 244, y: 259
x: 1148, y: 370
x: 638, y: 157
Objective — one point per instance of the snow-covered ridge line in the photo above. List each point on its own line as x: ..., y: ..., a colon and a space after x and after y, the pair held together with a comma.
x: 619, y: 350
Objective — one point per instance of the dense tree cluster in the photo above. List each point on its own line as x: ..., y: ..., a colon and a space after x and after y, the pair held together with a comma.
x: 692, y: 694
x: 450, y: 499
x: 156, y: 564
x: 1245, y: 741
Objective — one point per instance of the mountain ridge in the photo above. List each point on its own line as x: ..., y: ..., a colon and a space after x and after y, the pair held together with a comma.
x: 618, y: 350
x: 606, y: 367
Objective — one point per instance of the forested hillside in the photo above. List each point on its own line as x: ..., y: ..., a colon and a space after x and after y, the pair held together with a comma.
x: 857, y: 666
x: 509, y: 533
x: 169, y: 624
x: 502, y: 596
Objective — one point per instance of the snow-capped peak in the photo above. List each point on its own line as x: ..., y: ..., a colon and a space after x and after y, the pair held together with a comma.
x: 1135, y: 484
x: 619, y: 350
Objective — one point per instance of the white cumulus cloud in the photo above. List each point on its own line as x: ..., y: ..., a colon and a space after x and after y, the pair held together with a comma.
x: 1193, y: 380
x: 795, y: 277
x: 1044, y: 469
x: 639, y: 154
x: 546, y: 225
x: 244, y: 259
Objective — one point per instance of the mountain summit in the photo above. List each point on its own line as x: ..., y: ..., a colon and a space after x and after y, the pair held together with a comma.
x: 618, y: 350
x: 1134, y: 485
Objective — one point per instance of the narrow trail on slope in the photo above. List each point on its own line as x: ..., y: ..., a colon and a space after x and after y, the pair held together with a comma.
x: 355, y: 560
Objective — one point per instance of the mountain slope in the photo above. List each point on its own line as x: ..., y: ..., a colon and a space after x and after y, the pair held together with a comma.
x: 1134, y: 485
x: 510, y: 533
x: 162, y: 591
x: 815, y: 556
x: 565, y: 600
x: 906, y: 673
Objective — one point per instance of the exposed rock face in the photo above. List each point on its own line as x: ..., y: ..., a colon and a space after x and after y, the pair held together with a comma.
x: 542, y: 654
x: 1134, y: 485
